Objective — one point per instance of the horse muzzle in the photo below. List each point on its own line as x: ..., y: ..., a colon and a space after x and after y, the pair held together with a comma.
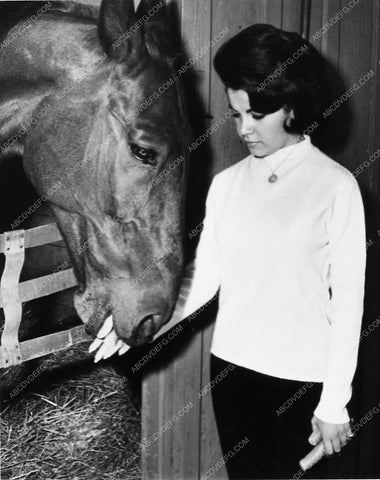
x: 135, y: 332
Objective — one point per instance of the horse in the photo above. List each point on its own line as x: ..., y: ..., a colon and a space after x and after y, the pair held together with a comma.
x: 94, y: 108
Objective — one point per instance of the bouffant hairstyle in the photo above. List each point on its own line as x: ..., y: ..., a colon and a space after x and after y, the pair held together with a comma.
x: 277, y: 69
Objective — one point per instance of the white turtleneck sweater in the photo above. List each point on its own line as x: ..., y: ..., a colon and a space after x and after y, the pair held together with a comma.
x: 275, y: 250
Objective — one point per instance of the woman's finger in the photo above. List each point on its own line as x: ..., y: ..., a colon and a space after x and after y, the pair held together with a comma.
x: 315, y: 437
x: 124, y: 349
x: 328, y: 447
x: 348, y: 434
x: 100, y: 353
x: 343, y: 439
x: 106, y: 327
x: 112, y: 344
x: 95, y: 345
x: 336, y: 443
x: 108, y: 347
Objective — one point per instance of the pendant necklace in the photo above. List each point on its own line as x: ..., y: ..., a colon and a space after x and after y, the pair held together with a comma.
x: 273, y: 177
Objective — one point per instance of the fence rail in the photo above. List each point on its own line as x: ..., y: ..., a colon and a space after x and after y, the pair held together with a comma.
x: 13, y: 293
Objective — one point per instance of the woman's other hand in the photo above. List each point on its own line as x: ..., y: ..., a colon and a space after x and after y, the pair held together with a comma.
x: 333, y: 435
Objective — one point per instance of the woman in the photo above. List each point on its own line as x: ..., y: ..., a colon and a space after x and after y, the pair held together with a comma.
x: 284, y: 239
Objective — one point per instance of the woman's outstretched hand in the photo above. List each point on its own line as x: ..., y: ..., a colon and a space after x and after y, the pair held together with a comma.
x: 333, y: 435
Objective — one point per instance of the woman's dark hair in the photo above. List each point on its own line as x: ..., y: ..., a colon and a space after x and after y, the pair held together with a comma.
x: 277, y: 69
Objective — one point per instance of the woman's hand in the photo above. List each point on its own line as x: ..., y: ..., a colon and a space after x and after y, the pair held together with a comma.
x: 333, y: 435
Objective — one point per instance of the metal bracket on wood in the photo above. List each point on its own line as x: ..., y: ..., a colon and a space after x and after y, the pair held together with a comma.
x: 14, y: 250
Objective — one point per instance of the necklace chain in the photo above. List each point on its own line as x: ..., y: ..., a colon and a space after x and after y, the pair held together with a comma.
x: 273, y: 177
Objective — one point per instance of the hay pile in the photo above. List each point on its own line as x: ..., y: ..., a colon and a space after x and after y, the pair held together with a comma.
x: 86, y: 426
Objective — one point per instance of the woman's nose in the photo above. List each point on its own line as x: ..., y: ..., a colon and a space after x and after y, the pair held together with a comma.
x: 246, y: 126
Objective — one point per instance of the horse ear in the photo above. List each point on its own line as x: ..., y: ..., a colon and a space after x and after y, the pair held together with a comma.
x: 152, y: 11
x: 120, y: 38
x: 153, y: 14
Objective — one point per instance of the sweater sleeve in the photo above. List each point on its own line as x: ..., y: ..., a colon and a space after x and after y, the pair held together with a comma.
x: 347, y: 275
x: 206, y: 276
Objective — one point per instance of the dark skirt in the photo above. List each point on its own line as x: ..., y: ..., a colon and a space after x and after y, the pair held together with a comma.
x: 264, y: 422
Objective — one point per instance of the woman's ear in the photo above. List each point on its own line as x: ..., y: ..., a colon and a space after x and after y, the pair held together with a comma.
x: 289, y: 119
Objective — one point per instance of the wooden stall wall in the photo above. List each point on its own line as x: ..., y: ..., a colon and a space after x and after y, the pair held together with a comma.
x: 190, y: 446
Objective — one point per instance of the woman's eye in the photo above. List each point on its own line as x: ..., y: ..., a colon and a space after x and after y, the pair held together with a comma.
x: 258, y: 116
x: 146, y: 155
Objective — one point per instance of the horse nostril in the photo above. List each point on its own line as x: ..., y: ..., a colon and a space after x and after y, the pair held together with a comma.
x: 148, y: 325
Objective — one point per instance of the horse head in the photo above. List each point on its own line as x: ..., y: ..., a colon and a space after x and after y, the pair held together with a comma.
x: 116, y: 145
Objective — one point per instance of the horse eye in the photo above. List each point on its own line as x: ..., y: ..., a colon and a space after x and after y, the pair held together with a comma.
x: 146, y: 155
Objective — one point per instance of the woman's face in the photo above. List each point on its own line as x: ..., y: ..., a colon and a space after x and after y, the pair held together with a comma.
x: 262, y: 133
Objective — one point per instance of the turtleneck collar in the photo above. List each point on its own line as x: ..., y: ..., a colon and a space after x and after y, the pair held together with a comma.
x: 285, y: 153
